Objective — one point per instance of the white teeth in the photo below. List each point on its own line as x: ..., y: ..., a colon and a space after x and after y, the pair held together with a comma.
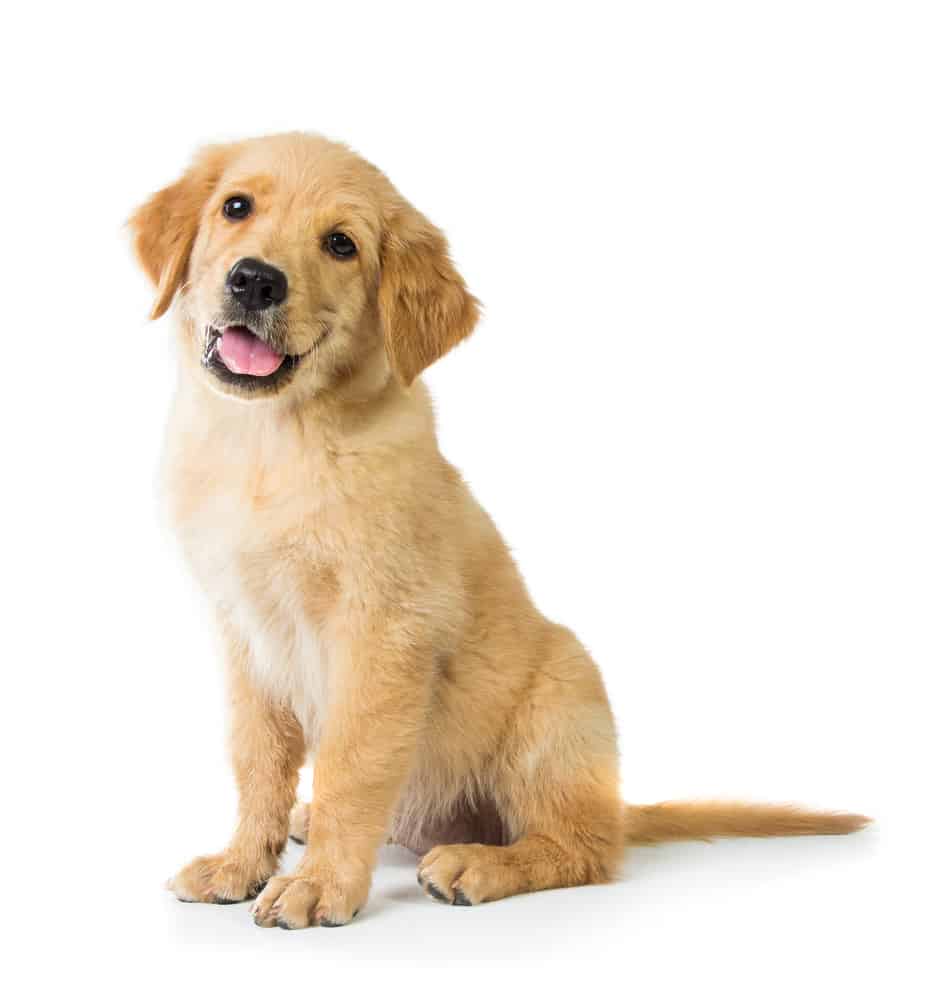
x: 212, y: 337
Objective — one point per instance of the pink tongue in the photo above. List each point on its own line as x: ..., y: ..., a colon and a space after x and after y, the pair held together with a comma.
x: 245, y: 354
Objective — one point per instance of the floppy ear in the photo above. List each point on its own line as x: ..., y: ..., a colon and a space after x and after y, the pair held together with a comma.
x: 164, y: 228
x: 424, y: 306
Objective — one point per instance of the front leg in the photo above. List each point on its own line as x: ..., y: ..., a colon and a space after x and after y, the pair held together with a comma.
x: 267, y: 753
x: 383, y: 689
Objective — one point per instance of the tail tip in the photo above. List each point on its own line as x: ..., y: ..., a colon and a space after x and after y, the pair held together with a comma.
x: 851, y: 822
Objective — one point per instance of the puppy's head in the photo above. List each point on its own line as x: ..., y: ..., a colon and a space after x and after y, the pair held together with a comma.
x: 296, y: 266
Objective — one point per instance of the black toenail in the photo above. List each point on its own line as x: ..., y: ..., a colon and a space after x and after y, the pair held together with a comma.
x: 222, y: 901
x: 329, y: 923
x: 296, y: 840
x: 460, y: 899
x: 435, y: 893
x: 283, y: 925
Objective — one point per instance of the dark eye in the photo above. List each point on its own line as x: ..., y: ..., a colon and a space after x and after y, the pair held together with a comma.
x: 237, y: 207
x: 339, y: 245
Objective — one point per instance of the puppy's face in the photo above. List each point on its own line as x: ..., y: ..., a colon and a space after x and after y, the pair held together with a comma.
x: 297, y: 268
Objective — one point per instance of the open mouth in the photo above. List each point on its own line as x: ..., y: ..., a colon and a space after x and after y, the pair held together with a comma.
x: 238, y: 357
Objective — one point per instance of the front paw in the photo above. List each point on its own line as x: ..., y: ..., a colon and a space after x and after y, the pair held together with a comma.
x: 313, y: 896
x: 220, y: 878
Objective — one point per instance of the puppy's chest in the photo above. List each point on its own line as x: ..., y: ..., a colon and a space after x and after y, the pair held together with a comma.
x: 256, y: 554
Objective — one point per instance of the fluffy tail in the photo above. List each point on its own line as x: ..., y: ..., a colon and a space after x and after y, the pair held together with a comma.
x: 706, y: 820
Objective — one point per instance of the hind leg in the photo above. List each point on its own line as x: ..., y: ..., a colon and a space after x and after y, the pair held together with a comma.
x: 568, y: 855
x: 299, y: 822
x: 556, y: 788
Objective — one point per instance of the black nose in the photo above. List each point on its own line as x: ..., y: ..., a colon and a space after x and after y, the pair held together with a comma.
x: 256, y: 285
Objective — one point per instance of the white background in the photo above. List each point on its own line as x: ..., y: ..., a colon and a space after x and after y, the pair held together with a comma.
x: 706, y: 405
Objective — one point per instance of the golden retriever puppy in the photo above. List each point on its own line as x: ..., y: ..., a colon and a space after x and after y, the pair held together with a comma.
x: 374, y: 621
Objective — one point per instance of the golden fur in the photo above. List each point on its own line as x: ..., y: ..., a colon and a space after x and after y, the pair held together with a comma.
x: 372, y: 616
